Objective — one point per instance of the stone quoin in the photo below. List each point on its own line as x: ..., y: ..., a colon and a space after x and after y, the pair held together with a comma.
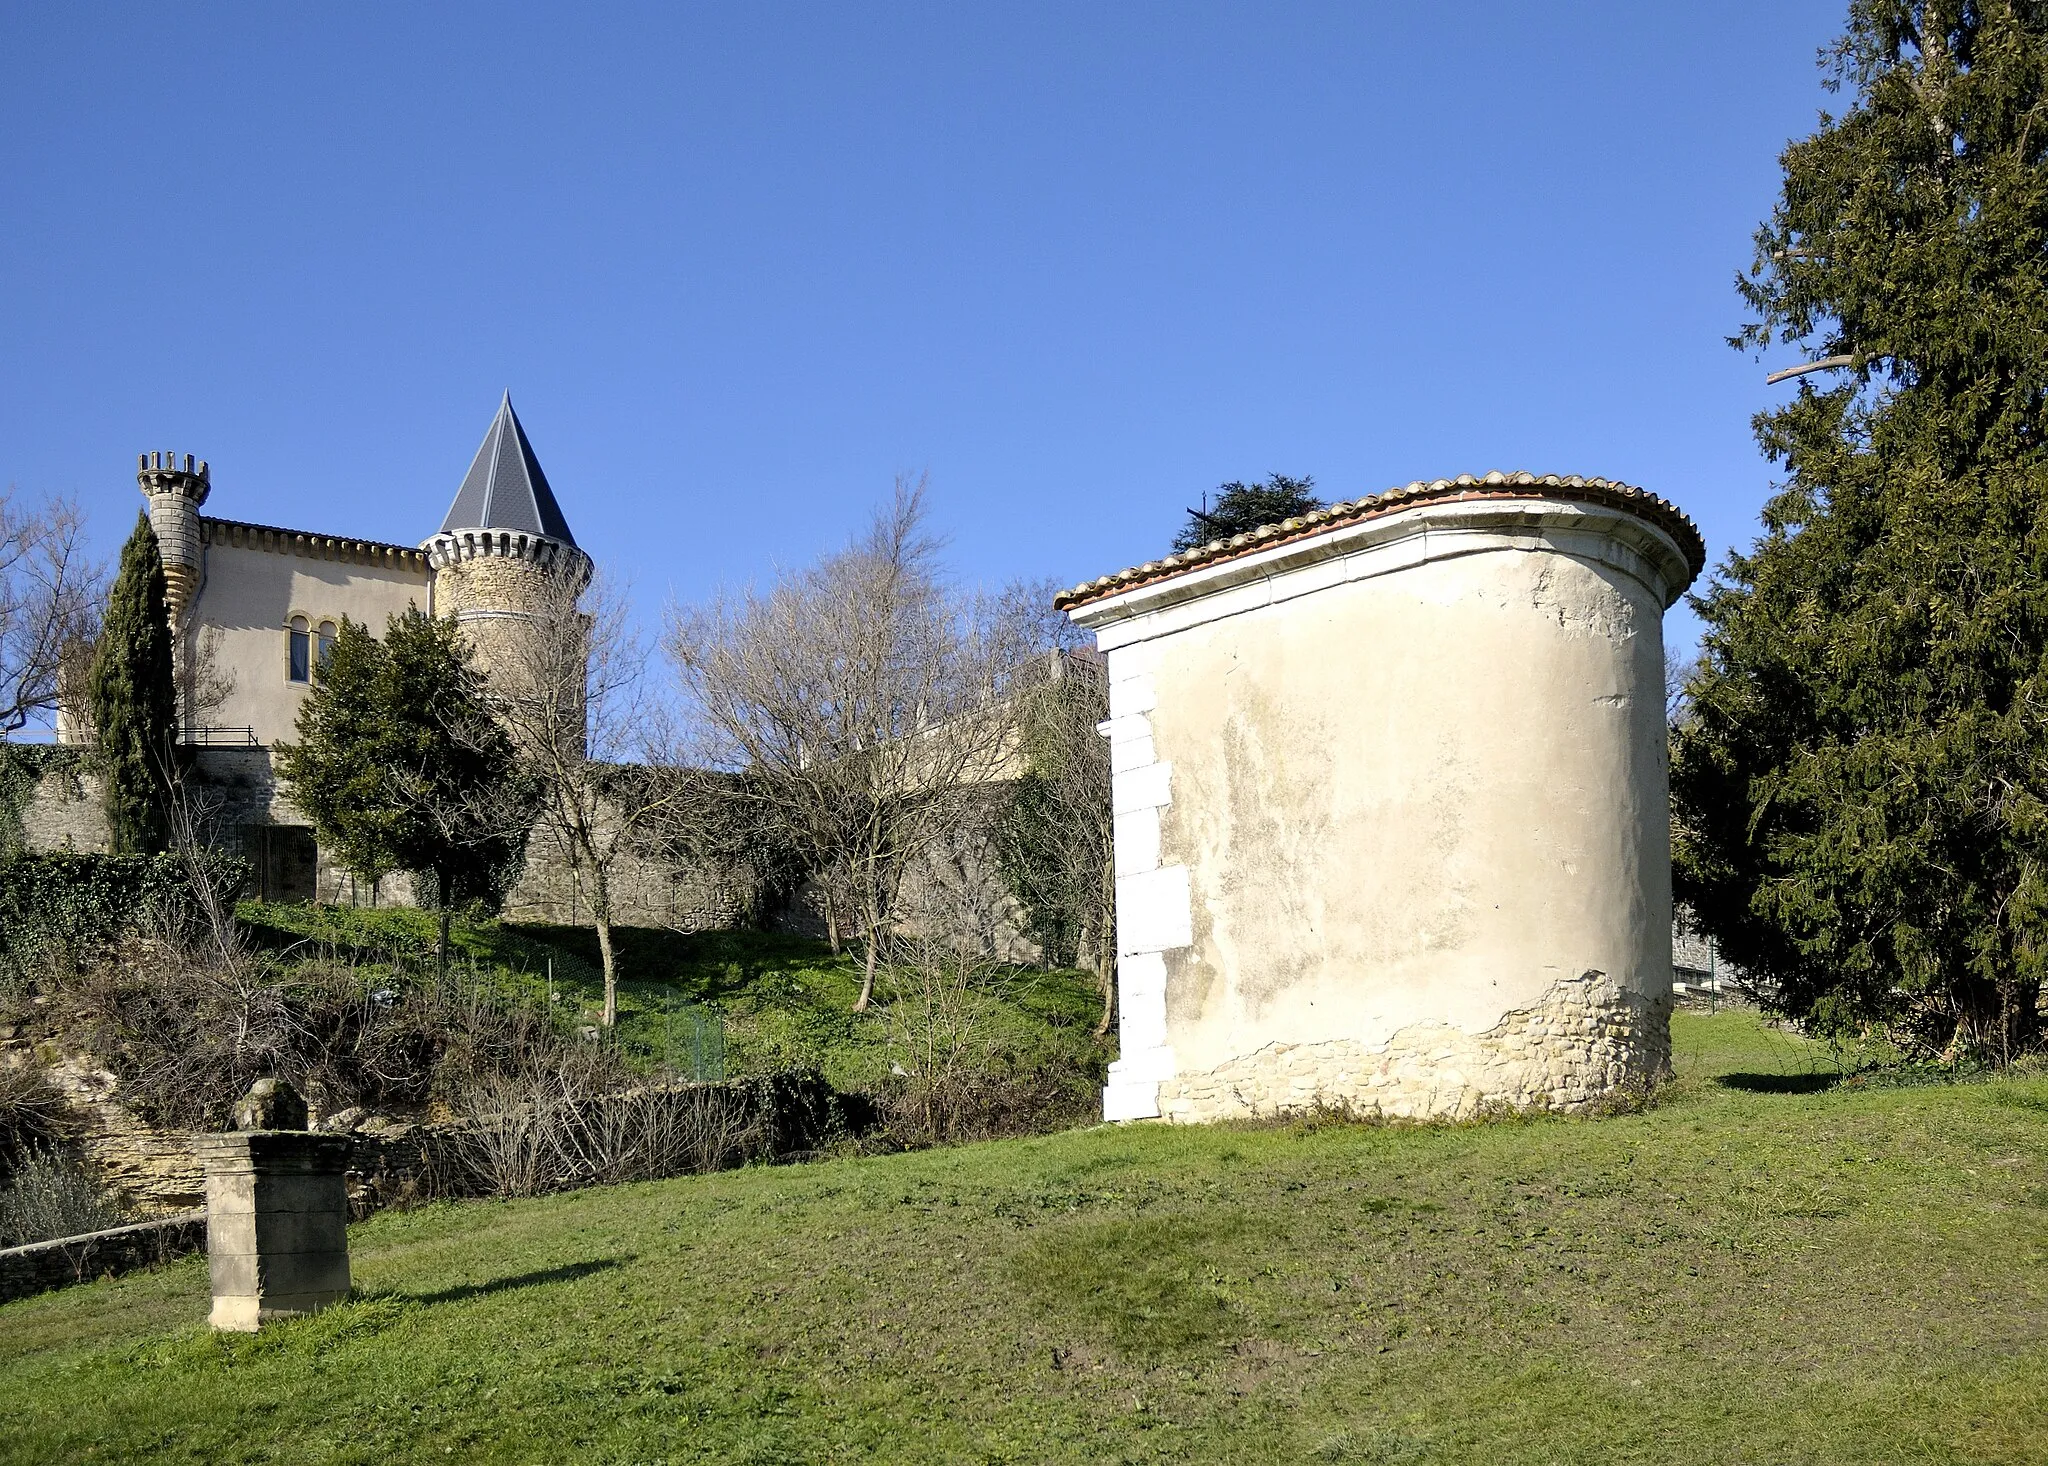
x: 1389, y: 785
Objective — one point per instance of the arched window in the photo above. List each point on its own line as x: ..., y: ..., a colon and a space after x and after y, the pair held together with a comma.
x: 301, y: 669
x: 327, y: 635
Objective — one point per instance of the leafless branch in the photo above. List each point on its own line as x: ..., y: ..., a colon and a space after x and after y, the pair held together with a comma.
x: 857, y: 703
x: 50, y: 594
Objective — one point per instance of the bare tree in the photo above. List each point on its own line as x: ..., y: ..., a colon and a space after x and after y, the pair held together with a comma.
x: 1056, y: 839
x: 858, y: 699
x: 593, y: 742
x: 1678, y: 674
x: 49, y: 602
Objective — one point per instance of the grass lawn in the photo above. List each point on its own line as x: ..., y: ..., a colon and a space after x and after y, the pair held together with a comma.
x: 1762, y: 1268
x: 785, y: 1002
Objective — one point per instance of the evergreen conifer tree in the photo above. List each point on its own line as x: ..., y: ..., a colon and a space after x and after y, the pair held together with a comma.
x: 133, y: 690
x: 401, y: 765
x: 1859, y: 783
x: 1241, y: 506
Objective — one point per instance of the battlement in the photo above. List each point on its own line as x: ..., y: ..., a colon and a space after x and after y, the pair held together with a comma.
x: 161, y: 473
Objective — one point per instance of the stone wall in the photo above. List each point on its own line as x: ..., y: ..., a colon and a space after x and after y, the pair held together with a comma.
x: 235, y: 790
x: 63, y: 812
x: 41, y: 1266
x: 703, y: 897
x: 154, y: 1169
x: 1587, y: 1039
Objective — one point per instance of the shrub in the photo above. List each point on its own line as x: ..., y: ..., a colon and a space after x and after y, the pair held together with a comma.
x: 32, y: 1116
x: 187, y: 1032
x: 954, y: 1074
x: 557, y: 1131
x: 50, y: 1195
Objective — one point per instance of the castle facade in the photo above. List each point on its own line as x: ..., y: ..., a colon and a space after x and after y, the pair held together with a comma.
x: 254, y: 607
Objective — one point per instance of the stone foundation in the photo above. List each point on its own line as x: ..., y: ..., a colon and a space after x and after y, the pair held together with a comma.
x: 1588, y: 1038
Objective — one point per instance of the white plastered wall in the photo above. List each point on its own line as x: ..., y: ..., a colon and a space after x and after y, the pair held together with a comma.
x: 1389, y: 784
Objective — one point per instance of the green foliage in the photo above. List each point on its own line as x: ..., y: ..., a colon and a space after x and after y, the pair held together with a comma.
x: 1240, y: 507
x: 1054, y: 836
x: 1860, y: 788
x: 1052, y: 894
x: 1626, y: 1290
x: 49, y: 1194
x: 60, y: 911
x: 401, y: 766
x: 134, y: 698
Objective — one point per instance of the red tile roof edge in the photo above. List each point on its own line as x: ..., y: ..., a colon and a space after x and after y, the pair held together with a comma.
x: 1659, y: 512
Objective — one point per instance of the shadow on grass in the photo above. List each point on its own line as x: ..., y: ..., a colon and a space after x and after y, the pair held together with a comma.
x: 568, y: 1272
x: 1779, y: 1083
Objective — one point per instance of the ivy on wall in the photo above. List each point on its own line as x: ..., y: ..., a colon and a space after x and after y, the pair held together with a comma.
x: 23, y: 766
x: 60, y: 910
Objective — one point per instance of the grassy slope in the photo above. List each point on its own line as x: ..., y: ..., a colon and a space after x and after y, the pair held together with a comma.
x: 786, y: 1001
x: 1746, y: 1273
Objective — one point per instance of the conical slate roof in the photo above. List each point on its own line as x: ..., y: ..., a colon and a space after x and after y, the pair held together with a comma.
x: 504, y: 488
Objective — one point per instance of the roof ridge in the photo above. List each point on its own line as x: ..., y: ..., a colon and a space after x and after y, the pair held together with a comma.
x: 1658, y: 511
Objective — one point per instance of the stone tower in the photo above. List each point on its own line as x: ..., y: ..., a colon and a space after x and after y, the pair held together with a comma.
x: 504, y: 551
x: 175, y: 494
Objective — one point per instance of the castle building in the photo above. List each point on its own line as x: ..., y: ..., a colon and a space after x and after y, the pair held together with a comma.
x: 255, y: 605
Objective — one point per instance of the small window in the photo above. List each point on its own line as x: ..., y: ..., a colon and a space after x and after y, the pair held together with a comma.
x: 302, y: 658
x: 327, y: 635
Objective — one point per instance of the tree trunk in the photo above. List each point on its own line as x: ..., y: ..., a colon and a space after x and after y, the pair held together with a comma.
x: 831, y: 920
x: 867, y: 982
x: 601, y: 914
x: 441, y: 947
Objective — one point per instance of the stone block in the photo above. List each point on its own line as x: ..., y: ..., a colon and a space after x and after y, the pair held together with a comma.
x: 1132, y: 753
x: 1152, y: 911
x: 1141, y: 788
x: 1137, y: 842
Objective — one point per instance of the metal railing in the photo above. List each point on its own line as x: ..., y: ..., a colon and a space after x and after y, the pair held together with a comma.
x: 211, y: 735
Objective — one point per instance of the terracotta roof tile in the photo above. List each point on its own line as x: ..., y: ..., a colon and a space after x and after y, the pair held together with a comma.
x: 1660, y: 512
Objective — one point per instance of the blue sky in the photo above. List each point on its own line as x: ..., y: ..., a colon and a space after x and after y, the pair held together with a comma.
x: 741, y: 265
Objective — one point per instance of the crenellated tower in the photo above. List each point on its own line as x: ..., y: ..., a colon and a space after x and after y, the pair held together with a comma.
x: 504, y: 556
x: 175, y: 492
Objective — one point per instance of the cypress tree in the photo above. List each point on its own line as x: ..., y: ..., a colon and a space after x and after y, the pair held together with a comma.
x: 1860, y: 787
x: 134, y: 698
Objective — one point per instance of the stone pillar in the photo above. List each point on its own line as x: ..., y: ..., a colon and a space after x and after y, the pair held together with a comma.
x: 276, y: 1224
